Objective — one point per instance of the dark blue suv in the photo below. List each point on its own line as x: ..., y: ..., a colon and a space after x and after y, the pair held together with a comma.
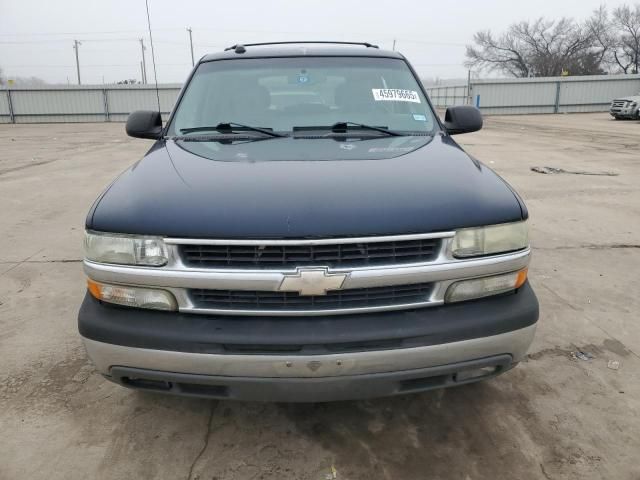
x: 305, y: 228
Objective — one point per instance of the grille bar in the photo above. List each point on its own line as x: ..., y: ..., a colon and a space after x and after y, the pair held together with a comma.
x: 287, y: 301
x: 291, y: 256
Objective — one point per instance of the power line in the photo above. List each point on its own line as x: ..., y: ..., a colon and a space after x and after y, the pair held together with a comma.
x: 95, y: 65
x: 181, y: 44
x: 127, y: 39
x: 436, y: 44
x: 113, y: 32
x: 225, y: 30
x: 106, y: 46
x: 32, y: 42
x: 307, y: 32
x: 436, y: 64
x: 211, y: 45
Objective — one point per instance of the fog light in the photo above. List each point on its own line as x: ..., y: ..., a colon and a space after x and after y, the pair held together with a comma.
x: 476, y: 373
x: 485, y: 286
x: 133, y: 296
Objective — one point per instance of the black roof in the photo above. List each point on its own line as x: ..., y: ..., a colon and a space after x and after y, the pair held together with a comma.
x: 302, y: 49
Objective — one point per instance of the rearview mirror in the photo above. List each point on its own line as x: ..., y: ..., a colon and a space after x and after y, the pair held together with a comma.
x: 462, y: 119
x: 144, y: 124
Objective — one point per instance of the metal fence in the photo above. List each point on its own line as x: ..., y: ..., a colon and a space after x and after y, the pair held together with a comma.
x: 449, y: 95
x: 591, y: 93
x: 91, y: 103
x: 112, y: 103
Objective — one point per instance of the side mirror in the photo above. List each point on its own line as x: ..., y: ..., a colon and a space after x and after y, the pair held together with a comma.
x: 144, y: 124
x: 462, y: 119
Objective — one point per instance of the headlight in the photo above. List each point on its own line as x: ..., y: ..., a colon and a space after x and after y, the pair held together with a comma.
x: 485, y: 286
x: 125, y: 249
x: 492, y: 239
x: 133, y: 296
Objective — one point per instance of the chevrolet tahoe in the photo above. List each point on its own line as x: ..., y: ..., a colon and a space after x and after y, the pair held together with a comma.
x: 306, y: 228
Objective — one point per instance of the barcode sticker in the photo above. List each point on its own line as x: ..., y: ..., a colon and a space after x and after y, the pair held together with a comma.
x: 395, y: 95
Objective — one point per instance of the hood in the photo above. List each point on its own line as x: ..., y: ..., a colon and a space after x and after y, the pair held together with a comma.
x: 301, y: 188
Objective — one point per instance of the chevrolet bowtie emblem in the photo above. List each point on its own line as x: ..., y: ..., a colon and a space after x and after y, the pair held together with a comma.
x: 312, y: 281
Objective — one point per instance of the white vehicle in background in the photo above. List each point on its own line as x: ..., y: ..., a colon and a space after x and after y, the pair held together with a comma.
x: 627, y: 107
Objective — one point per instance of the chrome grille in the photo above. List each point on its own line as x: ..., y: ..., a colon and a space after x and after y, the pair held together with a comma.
x: 342, y: 255
x: 292, y: 301
x: 618, y: 105
x: 255, y: 290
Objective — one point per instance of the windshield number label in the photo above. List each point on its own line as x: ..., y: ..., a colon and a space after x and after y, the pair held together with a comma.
x: 395, y: 95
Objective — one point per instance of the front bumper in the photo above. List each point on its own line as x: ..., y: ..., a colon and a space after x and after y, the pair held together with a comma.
x: 317, y: 389
x: 309, y: 358
x: 630, y: 113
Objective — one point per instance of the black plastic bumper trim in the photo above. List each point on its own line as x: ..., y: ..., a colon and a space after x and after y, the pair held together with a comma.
x: 307, y: 335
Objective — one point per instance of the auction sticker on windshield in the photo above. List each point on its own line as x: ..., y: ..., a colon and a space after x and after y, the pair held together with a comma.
x: 395, y: 95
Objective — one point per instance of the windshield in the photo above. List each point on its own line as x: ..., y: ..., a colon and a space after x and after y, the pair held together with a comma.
x: 283, y: 93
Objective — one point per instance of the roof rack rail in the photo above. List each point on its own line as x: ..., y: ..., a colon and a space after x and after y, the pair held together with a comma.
x: 240, y: 47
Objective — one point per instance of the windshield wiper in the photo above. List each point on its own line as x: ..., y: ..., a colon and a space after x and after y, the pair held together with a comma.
x: 231, y: 127
x: 343, y: 127
x: 340, y: 127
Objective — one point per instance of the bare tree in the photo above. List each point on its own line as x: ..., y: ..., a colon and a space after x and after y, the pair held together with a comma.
x: 505, y: 54
x: 602, y: 34
x: 540, y: 48
x: 626, y: 53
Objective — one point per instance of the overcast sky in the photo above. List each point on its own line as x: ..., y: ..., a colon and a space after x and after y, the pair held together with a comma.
x: 36, y: 37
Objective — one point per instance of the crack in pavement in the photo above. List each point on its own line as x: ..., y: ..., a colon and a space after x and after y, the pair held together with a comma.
x: 214, y: 404
x: 588, y: 317
x: 24, y: 167
x: 63, y: 260
x: 20, y: 263
x: 544, y: 472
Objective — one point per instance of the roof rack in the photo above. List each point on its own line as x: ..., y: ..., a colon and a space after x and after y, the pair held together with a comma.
x: 239, y: 48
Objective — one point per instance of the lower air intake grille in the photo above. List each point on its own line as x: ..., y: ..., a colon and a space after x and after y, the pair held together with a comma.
x: 292, y: 301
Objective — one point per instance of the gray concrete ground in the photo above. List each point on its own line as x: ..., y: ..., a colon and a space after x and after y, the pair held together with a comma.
x: 553, y: 417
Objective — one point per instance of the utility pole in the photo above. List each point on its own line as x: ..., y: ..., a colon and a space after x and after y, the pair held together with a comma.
x: 144, y: 64
x: 394, y: 44
x: 191, y: 44
x: 141, y: 73
x: 76, y: 44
